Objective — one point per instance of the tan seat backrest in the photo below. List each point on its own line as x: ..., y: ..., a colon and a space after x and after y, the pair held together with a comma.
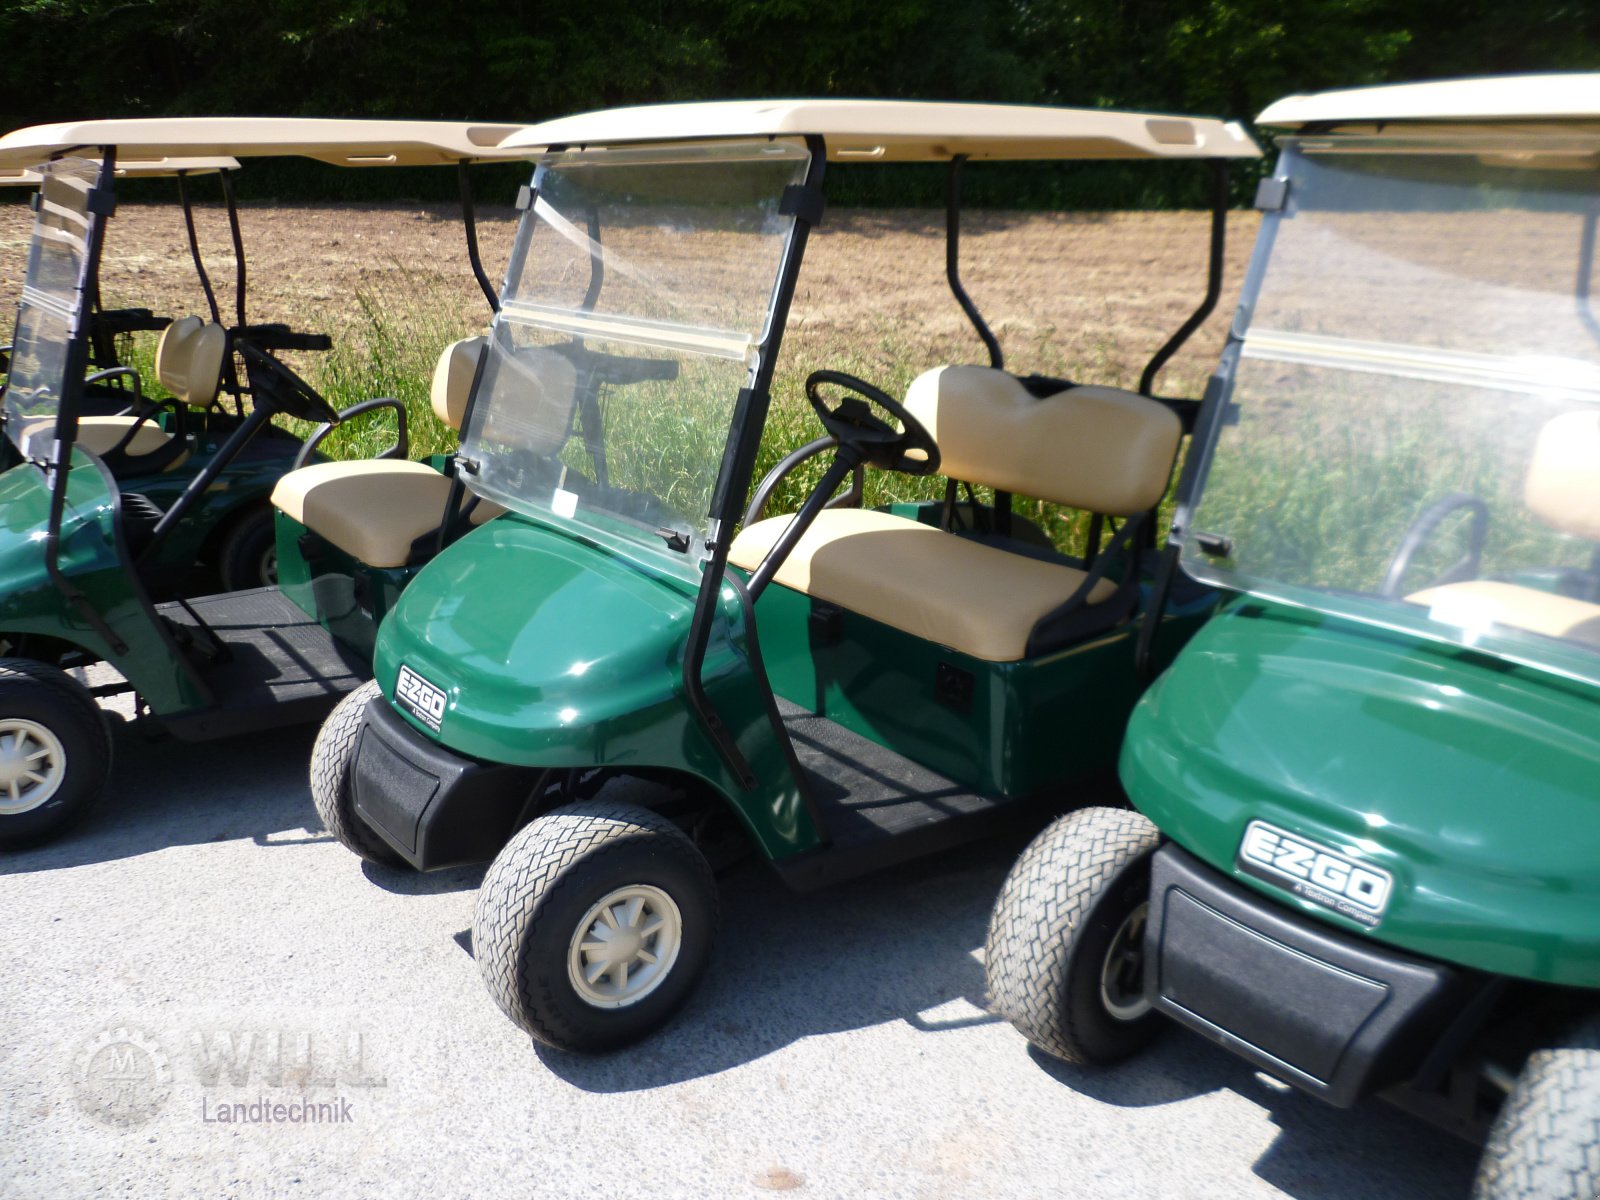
x: 1095, y: 448
x: 1563, y: 485
x: 452, y: 379
x: 535, y: 390
x: 189, y: 360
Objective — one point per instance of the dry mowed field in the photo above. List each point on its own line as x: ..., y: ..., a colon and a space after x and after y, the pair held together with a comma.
x: 1089, y: 295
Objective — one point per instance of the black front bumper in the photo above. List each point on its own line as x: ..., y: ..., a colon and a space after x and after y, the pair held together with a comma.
x: 437, y: 809
x: 1336, y: 1015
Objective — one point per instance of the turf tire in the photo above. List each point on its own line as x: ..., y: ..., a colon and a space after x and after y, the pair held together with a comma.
x: 332, y: 758
x: 34, y: 692
x: 533, y: 902
x: 1053, y: 926
x: 1545, y: 1142
x: 248, y: 557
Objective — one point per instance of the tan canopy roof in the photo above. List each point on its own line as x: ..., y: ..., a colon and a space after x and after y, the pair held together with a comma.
x: 345, y: 143
x: 905, y: 130
x: 30, y: 177
x: 1520, y: 98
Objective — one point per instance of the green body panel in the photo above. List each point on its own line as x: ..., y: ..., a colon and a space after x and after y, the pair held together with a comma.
x: 560, y: 651
x: 1474, y: 782
x: 1026, y: 727
x: 347, y: 597
x: 30, y: 603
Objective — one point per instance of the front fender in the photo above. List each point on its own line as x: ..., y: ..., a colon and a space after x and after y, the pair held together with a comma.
x: 1474, y: 783
x: 552, y: 651
x: 31, y: 603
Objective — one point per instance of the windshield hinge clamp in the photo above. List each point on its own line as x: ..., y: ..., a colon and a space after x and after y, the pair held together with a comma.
x: 524, y: 198
x: 1272, y: 194
x: 469, y: 465
x: 803, y: 202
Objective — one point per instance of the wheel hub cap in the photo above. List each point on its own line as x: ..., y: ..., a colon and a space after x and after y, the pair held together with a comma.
x: 32, y: 765
x: 1122, y: 977
x: 625, y: 946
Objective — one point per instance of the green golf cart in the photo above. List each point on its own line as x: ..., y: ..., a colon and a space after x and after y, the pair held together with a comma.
x: 112, y: 388
x: 629, y: 677
x: 1366, y: 851
x: 156, y: 450
x: 81, y: 552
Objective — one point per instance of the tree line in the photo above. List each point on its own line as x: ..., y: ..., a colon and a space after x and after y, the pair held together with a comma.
x: 528, y: 59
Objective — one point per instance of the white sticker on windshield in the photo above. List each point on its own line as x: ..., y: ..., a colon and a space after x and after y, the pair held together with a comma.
x: 1473, y: 615
x: 564, y: 503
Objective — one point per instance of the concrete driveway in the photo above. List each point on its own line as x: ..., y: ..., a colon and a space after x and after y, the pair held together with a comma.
x: 201, y: 950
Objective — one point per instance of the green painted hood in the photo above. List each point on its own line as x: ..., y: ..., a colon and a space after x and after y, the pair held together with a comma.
x: 555, y: 651
x: 1476, y: 784
x: 536, y: 638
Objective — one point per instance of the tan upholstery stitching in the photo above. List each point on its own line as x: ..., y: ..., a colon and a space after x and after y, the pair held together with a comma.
x: 1520, y: 607
x: 1563, y: 484
x: 189, y: 360
x: 1095, y: 448
x: 974, y: 598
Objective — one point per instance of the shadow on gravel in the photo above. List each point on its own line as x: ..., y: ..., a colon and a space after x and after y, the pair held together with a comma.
x: 1372, y: 1150
x: 901, y: 946
x: 164, y: 792
x: 905, y: 946
x: 403, y: 881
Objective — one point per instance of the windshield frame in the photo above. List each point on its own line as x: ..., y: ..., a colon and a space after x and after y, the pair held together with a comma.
x: 746, y: 425
x: 757, y: 350
x: 1550, y: 655
x: 99, y: 202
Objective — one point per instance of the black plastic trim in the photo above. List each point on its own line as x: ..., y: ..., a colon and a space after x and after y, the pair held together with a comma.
x: 733, y: 482
x: 1337, y: 1016
x: 436, y: 808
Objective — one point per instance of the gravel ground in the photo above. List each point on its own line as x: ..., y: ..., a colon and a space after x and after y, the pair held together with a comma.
x: 201, y: 944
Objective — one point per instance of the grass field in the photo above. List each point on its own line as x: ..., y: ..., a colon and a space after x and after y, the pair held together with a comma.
x: 1087, y: 296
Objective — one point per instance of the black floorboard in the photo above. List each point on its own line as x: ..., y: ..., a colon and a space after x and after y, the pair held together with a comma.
x: 865, y: 790
x: 276, y: 665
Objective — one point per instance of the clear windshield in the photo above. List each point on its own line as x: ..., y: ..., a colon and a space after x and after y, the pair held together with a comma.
x: 1415, y: 424
x: 636, y: 306
x: 52, y: 303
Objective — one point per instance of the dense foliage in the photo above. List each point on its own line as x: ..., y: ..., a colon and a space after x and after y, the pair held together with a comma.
x: 528, y: 59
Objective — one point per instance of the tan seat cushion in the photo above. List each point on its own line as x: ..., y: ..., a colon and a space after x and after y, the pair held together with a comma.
x: 974, y: 598
x: 1480, y: 601
x: 1563, y: 485
x: 100, y: 435
x: 373, y: 509
x: 1096, y: 448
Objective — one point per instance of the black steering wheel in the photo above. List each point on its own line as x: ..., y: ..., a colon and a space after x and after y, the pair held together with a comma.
x: 910, y: 449
x: 274, y: 386
x: 1422, y: 531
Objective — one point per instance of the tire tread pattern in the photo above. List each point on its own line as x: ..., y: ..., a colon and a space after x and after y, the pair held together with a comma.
x: 1545, y: 1142
x: 331, y: 760
x: 1042, y: 906
x: 529, y: 875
